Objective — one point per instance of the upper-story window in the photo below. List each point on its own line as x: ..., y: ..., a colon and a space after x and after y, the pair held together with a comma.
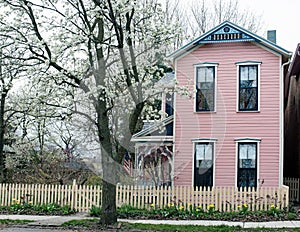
x: 205, y: 88
x: 248, y: 93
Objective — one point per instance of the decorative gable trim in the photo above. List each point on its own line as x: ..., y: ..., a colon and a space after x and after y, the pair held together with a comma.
x: 229, y: 32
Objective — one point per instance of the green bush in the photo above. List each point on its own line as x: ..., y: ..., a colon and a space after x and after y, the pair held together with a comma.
x: 95, y: 211
x: 51, y: 208
x: 190, y: 212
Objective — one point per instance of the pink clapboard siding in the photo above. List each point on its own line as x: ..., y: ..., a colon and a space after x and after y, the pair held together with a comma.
x: 226, y: 124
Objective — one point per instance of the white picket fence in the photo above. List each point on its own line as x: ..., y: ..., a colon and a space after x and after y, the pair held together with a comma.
x: 222, y: 198
x: 81, y: 198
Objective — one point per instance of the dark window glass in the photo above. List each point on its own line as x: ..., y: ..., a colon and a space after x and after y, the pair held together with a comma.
x: 203, y: 171
x: 170, y: 103
x: 247, y: 165
x: 248, y: 88
x: 205, y: 87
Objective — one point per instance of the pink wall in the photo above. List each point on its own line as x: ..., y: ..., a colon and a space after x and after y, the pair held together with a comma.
x: 226, y: 124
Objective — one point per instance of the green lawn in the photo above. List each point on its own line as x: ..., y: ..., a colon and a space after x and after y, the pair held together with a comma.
x: 93, y: 224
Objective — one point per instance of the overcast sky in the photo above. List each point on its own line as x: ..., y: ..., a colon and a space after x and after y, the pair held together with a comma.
x: 280, y: 15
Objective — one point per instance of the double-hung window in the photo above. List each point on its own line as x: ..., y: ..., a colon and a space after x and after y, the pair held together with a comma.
x: 205, y: 88
x: 248, y: 92
x: 203, y: 161
x: 247, y: 164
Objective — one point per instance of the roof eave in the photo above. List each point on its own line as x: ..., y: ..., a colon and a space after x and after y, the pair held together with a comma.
x: 197, y: 42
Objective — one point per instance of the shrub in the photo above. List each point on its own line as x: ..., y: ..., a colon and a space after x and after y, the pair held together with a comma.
x: 95, y: 211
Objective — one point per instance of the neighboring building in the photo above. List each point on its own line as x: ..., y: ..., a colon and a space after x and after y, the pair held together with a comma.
x: 228, y: 131
x: 292, y: 118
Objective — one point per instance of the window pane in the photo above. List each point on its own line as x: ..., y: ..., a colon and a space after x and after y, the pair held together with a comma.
x: 247, y: 178
x: 243, y: 73
x: 248, y: 98
x: 201, y: 100
x: 208, y: 152
x: 243, y: 151
x: 200, y: 150
x: 252, y: 73
x: 201, y: 75
x: 209, y: 74
x: 206, y: 164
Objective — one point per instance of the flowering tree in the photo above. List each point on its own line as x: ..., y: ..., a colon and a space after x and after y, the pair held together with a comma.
x: 108, y: 51
x: 10, y: 71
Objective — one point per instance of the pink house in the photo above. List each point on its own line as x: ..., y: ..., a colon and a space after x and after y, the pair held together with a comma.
x: 228, y: 129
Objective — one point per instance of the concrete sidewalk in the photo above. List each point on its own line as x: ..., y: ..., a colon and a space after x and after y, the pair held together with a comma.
x: 274, y: 224
x: 56, y: 221
x: 51, y: 221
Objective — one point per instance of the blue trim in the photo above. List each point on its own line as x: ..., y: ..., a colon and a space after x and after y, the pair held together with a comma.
x: 247, y: 139
x: 207, y: 63
x: 204, y: 140
x: 226, y: 41
x: 247, y: 36
x: 146, y: 140
x: 248, y: 61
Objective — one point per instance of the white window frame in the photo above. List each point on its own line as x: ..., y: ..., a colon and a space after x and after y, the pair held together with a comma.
x: 247, y: 140
x: 204, y: 140
x: 201, y: 65
x: 243, y: 63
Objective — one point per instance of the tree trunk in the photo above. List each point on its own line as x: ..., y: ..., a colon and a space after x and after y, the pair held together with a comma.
x: 109, y: 212
x: 3, y: 170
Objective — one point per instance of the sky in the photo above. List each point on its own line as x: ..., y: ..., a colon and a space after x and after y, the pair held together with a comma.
x: 280, y: 15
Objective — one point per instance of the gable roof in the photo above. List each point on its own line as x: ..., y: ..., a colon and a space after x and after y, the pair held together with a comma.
x: 229, y: 32
x: 155, y: 127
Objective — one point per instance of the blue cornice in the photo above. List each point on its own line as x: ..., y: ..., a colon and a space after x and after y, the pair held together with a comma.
x: 229, y: 32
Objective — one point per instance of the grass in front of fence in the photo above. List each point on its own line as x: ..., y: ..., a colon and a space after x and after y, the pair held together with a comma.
x: 179, y: 212
x: 189, y: 228
x: 10, y: 221
x: 18, y: 207
x: 94, y: 224
x: 81, y: 223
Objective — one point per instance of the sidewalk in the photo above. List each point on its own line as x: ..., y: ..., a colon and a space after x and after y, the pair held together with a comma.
x: 275, y: 224
x: 51, y: 221
x: 56, y: 221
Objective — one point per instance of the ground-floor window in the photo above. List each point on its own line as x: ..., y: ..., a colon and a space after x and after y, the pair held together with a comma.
x: 247, y: 164
x: 203, y: 165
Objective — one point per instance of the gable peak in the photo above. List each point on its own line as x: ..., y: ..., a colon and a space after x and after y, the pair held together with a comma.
x: 226, y: 32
